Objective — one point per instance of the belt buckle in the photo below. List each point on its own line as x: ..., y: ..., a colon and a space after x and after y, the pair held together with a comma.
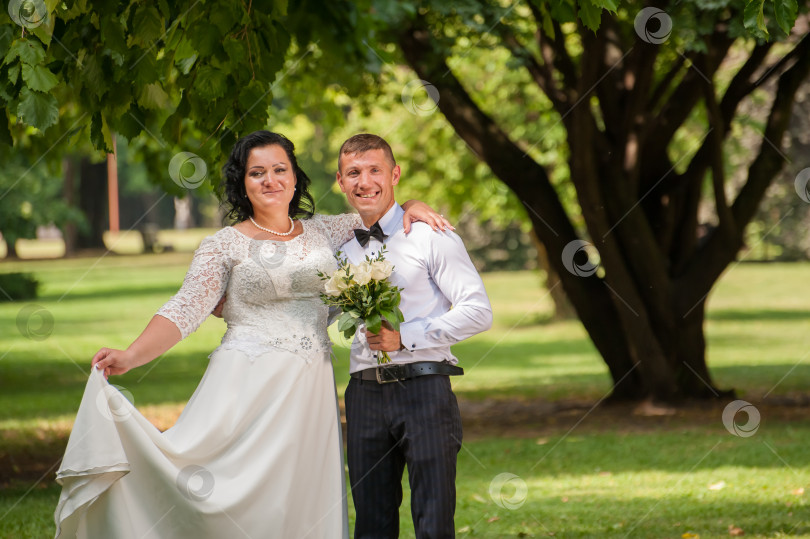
x: 380, y: 379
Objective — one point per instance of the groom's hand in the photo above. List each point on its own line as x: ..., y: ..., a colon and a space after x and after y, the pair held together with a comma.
x: 387, y: 340
x: 218, y: 309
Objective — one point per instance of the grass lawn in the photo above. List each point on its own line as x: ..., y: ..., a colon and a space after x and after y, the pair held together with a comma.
x: 576, y: 471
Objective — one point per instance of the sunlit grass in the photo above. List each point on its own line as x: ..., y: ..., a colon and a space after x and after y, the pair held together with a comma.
x: 596, y: 481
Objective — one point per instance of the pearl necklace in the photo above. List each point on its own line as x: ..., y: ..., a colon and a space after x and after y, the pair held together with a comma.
x: 290, y: 231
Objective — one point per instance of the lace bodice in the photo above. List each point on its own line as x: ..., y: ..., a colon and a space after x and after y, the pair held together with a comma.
x: 273, y: 287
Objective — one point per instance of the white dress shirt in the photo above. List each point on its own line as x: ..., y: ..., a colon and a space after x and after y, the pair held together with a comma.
x: 443, y: 297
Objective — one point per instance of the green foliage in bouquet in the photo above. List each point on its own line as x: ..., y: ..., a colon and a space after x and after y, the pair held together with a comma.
x: 364, y: 294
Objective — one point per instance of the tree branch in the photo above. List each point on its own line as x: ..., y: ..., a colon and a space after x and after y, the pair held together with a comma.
x: 553, y: 51
x: 739, y: 86
x: 684, y: 98
x: 661, y: 89
x: 737, y: 90
x: 564, y: 62
x: 715, y: 255
x: 543, y: 74
x: 612, y: 90
x: 715, y: 145
x: 776, y: 68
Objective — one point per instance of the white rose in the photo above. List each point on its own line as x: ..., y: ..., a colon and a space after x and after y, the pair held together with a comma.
x: 381, y: 269
x: 336, y: 284
x: 361, y: 273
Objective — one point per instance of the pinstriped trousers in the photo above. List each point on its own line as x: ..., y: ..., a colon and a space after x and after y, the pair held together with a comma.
x: 416, y: 423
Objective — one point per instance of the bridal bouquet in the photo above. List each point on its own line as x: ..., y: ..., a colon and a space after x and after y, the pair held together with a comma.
x: 365, y: 295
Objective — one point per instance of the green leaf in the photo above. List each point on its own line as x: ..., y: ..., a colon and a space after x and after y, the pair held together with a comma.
x: 226, y: 14
x: 563, y: 11
x: 94, y: 79
x: 391, y: 318
x: 172, y: 127
x: 547, y: 22
x: 147, y: 26
x: 113, y: 37
x: 37, y: 109
x: 349, y: 333
x: 346, y: 321
x: 164, y: 8
x: 6, y: 36
x: 184, y: 50
x: 374, y: 323
x: 237, y: 52
x: 44, y: 31
x: 152, y: 96
x: 29, y: 51
x: 255, y: 98
x: 204, y: 38
x: 145, y: 70
x: 267, y: 46
x: 754, y: 18
x: 185, y: 64
x: 14, y: 73
x: 590, y: 14
x: 785, y: 11
x: 8, y: 93
x: 227, y: 139
x: 39, y: 78
x: 100, y: 134
x: 5, y: 133
x: 280, y: 7
x: 210, y: 83
x: 610, y: 5
x: 130, y: 123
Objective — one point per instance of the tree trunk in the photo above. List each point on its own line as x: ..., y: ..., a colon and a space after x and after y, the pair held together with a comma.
x: 70, y: 231
x: 11, y: 249
x: 92, y: 202
x: 563, y: 310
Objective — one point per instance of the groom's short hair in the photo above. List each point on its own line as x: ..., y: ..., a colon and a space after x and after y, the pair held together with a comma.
x: 365, y: 142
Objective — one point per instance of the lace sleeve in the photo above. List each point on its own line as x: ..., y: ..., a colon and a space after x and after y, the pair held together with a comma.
x: 205, y: 282
x: 340, y: 228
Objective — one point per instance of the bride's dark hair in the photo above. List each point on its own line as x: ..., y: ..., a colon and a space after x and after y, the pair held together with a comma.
x: 231, y: 190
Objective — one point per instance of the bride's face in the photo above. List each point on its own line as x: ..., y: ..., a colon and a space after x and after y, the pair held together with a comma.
x: 269, y: 179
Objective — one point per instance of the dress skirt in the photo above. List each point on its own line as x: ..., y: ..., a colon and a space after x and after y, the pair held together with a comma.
x: 256, y: 453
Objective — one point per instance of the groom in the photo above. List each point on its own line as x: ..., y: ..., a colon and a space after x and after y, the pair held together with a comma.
x: 405, y: 412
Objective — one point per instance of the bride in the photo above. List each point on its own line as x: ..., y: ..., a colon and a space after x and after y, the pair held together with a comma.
x: 257, y: 450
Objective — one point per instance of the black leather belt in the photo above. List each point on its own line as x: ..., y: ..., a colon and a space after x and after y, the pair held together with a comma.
x: 403, y: 371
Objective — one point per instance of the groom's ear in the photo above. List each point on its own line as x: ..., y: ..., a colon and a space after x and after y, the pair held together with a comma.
x: 339, y: 181
x: 395, y: 173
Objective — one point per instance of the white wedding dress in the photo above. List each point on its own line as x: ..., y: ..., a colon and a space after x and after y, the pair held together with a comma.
x: 256, y: 453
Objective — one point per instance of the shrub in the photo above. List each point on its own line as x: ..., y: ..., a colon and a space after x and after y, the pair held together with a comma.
x: 18, y: 286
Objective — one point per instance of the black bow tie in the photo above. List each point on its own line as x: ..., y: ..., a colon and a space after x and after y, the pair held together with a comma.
x: 375, y: 232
